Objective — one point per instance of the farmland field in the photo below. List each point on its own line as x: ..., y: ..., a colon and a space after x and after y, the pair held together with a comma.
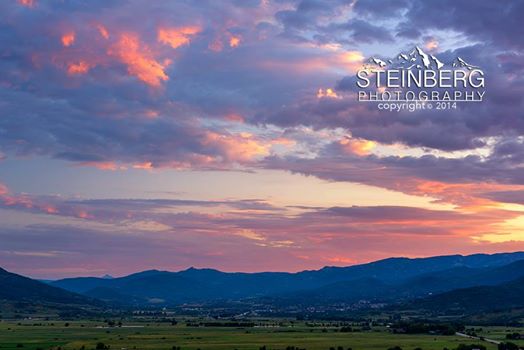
x: 32, y: 334
x: 499, y: 334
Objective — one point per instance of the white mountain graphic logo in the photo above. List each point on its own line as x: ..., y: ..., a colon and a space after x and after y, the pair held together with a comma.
x: 418, y: 59
x: 419, y: 79
x: 459, y: 62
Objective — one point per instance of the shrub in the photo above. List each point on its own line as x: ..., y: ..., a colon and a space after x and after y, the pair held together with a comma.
x: 101, y: 346
x: 508, y: 346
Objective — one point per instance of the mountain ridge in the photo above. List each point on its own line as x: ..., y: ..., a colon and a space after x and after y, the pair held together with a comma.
x: 201, y: 285
x: 519, y: 254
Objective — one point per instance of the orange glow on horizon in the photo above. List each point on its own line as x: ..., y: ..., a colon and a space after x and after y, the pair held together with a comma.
x: 341, y: 260
x: 466, y: 195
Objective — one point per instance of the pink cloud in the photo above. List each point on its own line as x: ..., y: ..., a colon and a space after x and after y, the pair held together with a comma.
x: 27, y: 3
x: 176, y: 37
x: 68, y: 39
x: 82, y: 67
x: 237, y: 148
x: 139, y: 60
x: 103, y: 31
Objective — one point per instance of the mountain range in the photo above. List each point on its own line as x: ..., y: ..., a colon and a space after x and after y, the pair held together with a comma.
x: 393, y: 278
x: 467, y: 283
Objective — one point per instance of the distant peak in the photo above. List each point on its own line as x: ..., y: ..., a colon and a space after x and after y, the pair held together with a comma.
x: 150, y: 271
x: 194, y: 269
x: 145, y: 273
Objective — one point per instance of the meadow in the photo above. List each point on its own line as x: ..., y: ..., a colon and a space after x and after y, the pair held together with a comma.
x: 35, y: 334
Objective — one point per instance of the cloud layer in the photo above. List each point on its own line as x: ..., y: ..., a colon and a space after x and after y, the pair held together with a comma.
x: 250, y: 85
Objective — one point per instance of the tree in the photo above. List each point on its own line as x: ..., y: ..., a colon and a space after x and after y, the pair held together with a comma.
x: 508, y: 346
x: 395, y: 348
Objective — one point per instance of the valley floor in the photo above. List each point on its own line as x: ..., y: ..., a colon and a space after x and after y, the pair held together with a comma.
x: 32, y: 335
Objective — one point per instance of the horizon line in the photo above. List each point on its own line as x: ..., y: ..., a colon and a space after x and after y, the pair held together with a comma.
x: 263, y: 271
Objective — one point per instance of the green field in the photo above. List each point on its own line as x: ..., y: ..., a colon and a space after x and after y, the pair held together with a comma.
x: 32, y: 334
x: 499, y: 334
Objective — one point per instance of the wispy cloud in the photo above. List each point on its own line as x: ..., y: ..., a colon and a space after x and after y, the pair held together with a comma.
x: 250, y: 85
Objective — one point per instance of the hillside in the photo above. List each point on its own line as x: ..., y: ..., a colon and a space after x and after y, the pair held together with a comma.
x: 21, y: 294
x: 476, y: 299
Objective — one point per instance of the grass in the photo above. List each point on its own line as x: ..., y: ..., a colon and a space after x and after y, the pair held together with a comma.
x: 499, y: 333
x: 33, y: 335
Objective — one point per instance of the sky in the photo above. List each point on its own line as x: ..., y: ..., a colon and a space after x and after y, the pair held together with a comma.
x: 227, y: 134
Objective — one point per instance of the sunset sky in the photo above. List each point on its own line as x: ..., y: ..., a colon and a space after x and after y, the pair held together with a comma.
x: 142, y: 134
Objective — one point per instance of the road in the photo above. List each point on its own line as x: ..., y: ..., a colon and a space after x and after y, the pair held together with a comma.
x: 496, y: 342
